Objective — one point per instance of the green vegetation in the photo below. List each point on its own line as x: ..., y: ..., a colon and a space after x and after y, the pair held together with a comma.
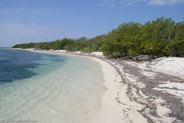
x: 161, y: 37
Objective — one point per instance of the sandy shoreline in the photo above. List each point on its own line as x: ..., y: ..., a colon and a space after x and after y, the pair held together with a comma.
x: 109, y: 106
x: 111, y: 110
x: 135, y: 93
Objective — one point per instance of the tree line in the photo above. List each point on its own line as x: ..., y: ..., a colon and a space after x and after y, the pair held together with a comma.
x: 160, y: 37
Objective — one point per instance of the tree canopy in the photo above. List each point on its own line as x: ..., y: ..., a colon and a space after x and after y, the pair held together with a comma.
x: 160, y: 37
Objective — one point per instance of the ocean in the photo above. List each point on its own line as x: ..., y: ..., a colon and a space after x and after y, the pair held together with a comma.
x: 48, y: 88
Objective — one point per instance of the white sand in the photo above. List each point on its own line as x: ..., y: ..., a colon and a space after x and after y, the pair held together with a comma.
x: 97, y: 54
x: 61, y: 51
x: 77, y: 52
x: 169, y: 65
x: 171, y: 85
x: 133, y: 107
x: 174, y: 88
x: 111, y: 111
x: 114, y: 112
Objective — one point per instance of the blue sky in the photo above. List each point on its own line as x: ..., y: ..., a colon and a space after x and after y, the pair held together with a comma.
x: 24, y: 21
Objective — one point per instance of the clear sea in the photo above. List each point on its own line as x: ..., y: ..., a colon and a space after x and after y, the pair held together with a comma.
x: 48, y: 88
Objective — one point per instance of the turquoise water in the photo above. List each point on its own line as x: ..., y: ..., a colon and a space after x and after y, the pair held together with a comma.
x: 49, y: 88
x: 19, y: 64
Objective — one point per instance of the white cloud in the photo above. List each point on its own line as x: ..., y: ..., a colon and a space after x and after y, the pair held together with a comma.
x: 113, y: 3
x: 130, y: 2
x: 59, y: 10
x: 19, y: 9
x: 12, y: 33
x: 39, y: 11
x: 101, y: 5
x: 108, y: 3
x: 4, y: 12
x: 165, y: 2
x: 10, y: 11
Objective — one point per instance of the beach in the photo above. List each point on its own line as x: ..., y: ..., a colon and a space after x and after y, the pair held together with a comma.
x: 134, y: 92
x: 110, y: 110
x: 92, y: 61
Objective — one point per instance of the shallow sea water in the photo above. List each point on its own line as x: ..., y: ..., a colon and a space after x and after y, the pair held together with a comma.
x: 45, y: 88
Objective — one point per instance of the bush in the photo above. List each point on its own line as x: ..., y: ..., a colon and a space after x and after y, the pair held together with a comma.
x: 132, y: 52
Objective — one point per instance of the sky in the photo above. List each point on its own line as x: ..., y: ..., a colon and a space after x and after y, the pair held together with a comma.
x: 23, y: 21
